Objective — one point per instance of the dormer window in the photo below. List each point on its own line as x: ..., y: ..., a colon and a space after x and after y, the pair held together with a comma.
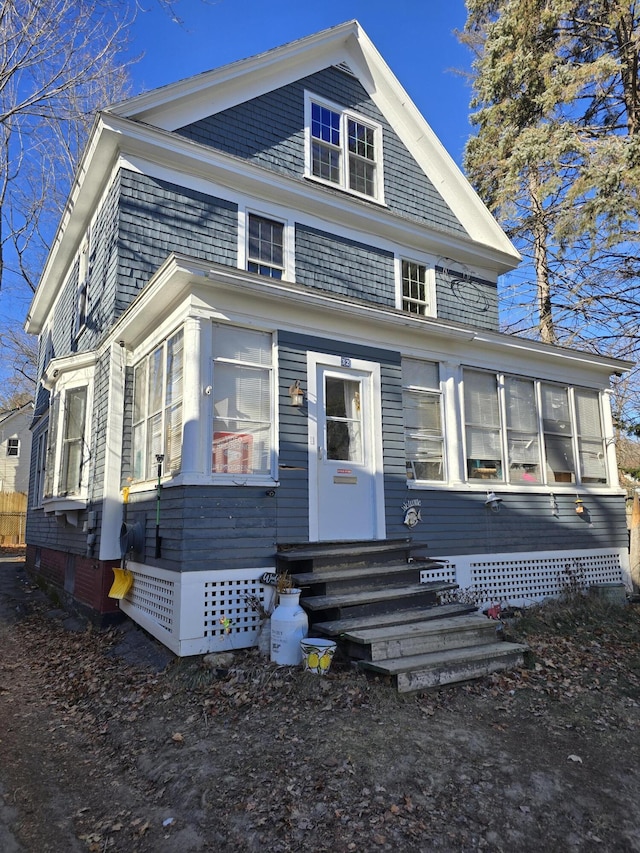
x: 344, y: 149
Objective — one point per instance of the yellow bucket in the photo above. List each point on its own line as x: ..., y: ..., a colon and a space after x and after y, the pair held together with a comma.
x: 317, y: 654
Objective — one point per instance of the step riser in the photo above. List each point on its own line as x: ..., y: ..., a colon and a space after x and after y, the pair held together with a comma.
x: 410, y: 682
x: 317, y: 564
x: 407, y: 646
x: 346, y: 611
x: 340, y: 587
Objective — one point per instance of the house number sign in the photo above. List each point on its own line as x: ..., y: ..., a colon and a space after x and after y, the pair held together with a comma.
x: 412, y: 512
x: 345, y: 362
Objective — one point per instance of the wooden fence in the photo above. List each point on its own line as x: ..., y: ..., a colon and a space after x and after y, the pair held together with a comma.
x: 13, y: 516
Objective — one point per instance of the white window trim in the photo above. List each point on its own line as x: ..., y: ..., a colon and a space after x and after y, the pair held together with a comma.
x: 17, y: 446
x: 61, y: 378
x: 544, y: 485
x: 345, y: 114
x: 415, y: 483
x: 40, y: 457
x: 288, y: 237
x: 430, y: 284
x: 262, y: 479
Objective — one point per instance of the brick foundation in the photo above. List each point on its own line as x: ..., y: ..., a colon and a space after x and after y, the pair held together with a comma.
x: 81, y: 580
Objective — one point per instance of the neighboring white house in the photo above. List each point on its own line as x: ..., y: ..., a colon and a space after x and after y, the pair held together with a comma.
x: 15, y: 449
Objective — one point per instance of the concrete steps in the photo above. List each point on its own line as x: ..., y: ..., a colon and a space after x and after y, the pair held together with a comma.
x: 369, y: 598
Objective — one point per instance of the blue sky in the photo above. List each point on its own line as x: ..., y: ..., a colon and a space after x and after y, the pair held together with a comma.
x: 415, y: 38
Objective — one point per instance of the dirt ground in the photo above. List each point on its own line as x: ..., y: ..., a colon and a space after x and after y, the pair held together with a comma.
x: 107, y: 745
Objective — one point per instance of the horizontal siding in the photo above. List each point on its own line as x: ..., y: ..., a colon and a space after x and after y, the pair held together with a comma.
x: 459, y: 523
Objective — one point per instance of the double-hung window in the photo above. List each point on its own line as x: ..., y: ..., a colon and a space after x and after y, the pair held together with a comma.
x: 13, y: 447
x: 558, y: 433
x: 265, y: 246
x: 591, y: 446
x: 422, y: 411
x: 418, y: 289
x: 523, y: 442
x: 344, y: 149
x: 63, y: 477
x: 483, y: 430
x: 40, y: 472
x: 73, y: 427
x: 243, y: 408
x: 157, y: 409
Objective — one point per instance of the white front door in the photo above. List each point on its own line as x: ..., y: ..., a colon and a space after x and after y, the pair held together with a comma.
x: 346, y: 500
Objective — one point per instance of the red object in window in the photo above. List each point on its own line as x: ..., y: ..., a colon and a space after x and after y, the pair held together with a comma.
x: 232, y: 452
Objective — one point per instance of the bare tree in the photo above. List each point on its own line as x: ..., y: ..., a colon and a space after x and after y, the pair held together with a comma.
x: 60, y: 60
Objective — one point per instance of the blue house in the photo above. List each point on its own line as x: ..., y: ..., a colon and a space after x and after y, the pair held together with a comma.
x: 268, y: 319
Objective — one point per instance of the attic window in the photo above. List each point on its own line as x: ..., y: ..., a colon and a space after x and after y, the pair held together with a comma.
x: 344, y: 149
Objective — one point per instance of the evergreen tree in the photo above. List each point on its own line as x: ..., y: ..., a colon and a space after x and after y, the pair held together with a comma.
x: 557, y: 156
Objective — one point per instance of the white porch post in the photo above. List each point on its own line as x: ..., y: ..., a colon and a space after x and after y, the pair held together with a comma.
x: 193, y: 398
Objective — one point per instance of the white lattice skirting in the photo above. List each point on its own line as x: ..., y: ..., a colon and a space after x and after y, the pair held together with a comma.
x: 193, y: 613
x: 522, y: 579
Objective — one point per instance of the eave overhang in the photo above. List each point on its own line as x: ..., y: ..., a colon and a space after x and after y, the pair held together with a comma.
x: 180, y: 276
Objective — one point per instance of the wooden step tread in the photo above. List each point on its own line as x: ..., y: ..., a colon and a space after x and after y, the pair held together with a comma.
x: 372, y: 595
x: 437, y: 612
x: 447, y: 658
x: 353, y: 573
x: 427, y: 627
x: 347, y: 549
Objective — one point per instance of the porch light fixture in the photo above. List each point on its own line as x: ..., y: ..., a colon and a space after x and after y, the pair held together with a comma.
x: 296, y: 394
x: 493, y: 502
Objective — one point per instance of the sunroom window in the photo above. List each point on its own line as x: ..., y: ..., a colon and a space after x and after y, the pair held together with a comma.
x: 591, y: 447
x: 422, y: 412
x: 344, y: 149
x: 157, y: 410
x: 539, y: 428
x: 242, y: 403
x: 558, y: 434
x: 483, y: 431
x: 523, y: 443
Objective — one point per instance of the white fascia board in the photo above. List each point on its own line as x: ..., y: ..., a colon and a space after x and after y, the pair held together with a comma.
x: 237, y: 296
x: 194, y: 98
x: 91, y: 179
x: 413, y: 129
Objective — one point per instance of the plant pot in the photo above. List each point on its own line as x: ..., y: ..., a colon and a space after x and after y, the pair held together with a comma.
x: 289, y: 624
x: 317, y: 654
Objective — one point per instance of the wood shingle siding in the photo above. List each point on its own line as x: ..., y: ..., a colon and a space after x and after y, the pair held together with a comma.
x: 157, y: 218
x: 338, y: 265
x: 269, y: 131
